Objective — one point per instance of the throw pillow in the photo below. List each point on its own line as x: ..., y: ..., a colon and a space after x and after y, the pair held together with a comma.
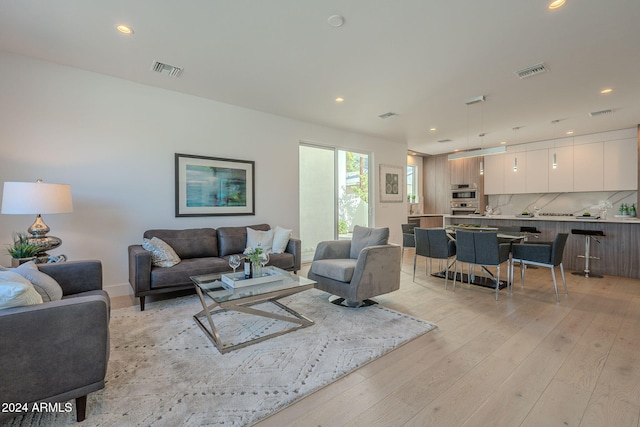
x: 44, y: 284
x: 16, y: 291
x: 262, y: 238
x: 162, y: 255
x: 280, y: 239
x: 364, y: 237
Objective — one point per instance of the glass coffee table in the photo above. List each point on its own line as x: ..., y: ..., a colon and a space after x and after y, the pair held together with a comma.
x: 243, y: 298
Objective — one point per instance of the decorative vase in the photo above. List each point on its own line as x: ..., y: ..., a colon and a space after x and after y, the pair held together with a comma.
x: 256, y: 271
x: 15, y: 262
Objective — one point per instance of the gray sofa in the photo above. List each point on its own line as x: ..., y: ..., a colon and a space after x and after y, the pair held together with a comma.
x: 202, y: 251
x: 58, y: 350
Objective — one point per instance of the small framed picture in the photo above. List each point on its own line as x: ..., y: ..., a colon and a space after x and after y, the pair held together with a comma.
x: 391, y: 184
x: 211, y: 186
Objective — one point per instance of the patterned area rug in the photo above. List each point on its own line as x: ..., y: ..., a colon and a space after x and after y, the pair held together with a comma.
x: 164, y: 371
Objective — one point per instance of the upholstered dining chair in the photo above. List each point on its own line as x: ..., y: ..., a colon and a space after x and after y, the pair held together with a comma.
x: 488, y: 252
x: 543, y: 254
x: 465, y: 253
x: 422, y: 248
x: 408, y: 236
x: 441, y: 248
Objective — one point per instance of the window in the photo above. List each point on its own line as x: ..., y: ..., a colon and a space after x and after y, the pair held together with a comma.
x: 412, y: 184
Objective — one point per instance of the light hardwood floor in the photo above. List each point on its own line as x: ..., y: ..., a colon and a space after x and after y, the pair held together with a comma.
x: 524, y: 360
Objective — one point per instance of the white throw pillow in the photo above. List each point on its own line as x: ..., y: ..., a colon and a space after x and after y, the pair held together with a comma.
x: 16, y: 291
x: 162, y: 255
x: 280, y: 239
x: 264, y: 238
x: 44, y: 284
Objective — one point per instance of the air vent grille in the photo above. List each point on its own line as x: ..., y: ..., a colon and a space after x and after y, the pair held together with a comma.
x: 601, y: 113
x: 170, y: 70
x: 387, y: 115
x: 532, y: 71
x: 444, y: 140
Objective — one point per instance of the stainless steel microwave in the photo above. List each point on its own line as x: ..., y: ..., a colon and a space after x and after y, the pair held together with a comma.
x: 461, y: 192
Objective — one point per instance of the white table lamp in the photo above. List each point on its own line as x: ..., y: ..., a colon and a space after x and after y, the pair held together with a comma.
x: 37, y: 198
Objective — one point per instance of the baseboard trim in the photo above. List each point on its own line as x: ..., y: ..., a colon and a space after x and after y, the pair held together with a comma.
x: 119, y: 290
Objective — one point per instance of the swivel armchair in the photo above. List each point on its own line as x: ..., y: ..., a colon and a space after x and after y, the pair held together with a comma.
x: 358, y: 269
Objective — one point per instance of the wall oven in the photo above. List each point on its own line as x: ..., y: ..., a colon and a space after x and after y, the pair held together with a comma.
x: 464, y: 199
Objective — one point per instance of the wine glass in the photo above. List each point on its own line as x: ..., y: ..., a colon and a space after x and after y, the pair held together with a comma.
x: 234, y: 262
x: 264, y: 260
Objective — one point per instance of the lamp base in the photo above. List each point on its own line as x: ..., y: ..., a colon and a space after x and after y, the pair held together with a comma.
x: 45, y: 243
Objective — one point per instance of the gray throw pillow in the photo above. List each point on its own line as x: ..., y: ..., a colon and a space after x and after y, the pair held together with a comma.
x: 364, y: 237
x: 44, y: 284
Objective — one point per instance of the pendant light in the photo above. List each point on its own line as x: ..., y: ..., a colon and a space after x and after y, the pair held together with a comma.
x: 515, y: 156
x: 554, y: 163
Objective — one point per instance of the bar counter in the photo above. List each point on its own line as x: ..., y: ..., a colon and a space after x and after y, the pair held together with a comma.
x: 619, y: 250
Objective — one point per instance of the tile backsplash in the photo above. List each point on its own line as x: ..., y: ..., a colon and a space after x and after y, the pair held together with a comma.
x: 561, y: 203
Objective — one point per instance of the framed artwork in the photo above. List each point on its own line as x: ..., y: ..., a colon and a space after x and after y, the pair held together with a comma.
x: 391, y: 184
x: 211, y: 186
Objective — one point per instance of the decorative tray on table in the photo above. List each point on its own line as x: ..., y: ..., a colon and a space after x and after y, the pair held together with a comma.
x: 525, y: 215
x: 237, y: 280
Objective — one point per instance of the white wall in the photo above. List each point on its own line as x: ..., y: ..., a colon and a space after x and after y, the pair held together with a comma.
x: 114, y: 141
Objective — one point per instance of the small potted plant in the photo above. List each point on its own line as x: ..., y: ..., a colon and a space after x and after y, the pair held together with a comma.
x: 21, y: 251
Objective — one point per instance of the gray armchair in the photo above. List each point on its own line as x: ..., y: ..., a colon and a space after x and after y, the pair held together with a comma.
x: 58, y: 350
x: 358, y: 269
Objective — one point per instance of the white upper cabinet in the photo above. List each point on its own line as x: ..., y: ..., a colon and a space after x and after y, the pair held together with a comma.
x: 561, y: 177
x: 537, y: 171
x: 620, y: 165
x: 588, y: 167
x: 515, y: 173
x: 494, y: 174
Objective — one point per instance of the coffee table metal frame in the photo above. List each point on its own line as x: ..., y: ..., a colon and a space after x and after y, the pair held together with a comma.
x: 242, y: 300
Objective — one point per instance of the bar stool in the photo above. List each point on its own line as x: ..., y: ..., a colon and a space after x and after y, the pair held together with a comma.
x: 588, y: 234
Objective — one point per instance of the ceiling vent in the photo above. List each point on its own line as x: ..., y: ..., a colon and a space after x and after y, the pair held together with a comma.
x: 532, y: 71
x: 601, y: 113
x: 387, y: 115
x: 167, y: 69
x: 444, y: 140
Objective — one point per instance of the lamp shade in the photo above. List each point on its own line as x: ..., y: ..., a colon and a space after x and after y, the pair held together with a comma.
x: 36, y: 198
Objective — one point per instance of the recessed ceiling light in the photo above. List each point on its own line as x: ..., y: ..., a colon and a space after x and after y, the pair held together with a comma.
x: 503, y: 142
x: 124, y: 29
x: 605, y: 91
x: 556, y: 4
x: 339, y: 100
x: 433, y: 129
x: 569, y: 132
x: 335, y: 21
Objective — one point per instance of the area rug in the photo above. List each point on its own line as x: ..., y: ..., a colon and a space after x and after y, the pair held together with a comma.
x: 164, y: 371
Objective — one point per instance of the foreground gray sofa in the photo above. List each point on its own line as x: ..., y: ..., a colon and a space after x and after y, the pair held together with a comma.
x: 358, y: 269
x: 58, y: 350
x: 202, y: 251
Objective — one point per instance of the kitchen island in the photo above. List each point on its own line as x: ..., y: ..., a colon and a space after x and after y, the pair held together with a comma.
x: 619, y: 250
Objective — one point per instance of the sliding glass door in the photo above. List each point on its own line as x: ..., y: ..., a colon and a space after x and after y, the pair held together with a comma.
x: 334, y: 195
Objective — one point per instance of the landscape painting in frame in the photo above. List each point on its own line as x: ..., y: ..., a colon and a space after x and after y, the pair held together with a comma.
x: 210, y: 186
x: 391, y: 184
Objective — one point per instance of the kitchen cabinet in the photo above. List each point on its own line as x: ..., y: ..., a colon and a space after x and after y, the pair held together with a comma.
x: 561, y: 178
x: 537, y: 171
x: 620, y: 164
x: 588, y: 167
x: 465, y: 171
x: 515, y: 170
x: 437, y: 194
x: 494, y: 174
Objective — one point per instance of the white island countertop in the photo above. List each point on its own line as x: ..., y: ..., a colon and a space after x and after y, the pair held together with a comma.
x: 609, y: 219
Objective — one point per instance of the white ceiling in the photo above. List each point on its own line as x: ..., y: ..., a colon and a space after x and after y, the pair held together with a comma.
x: 420, y: 59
